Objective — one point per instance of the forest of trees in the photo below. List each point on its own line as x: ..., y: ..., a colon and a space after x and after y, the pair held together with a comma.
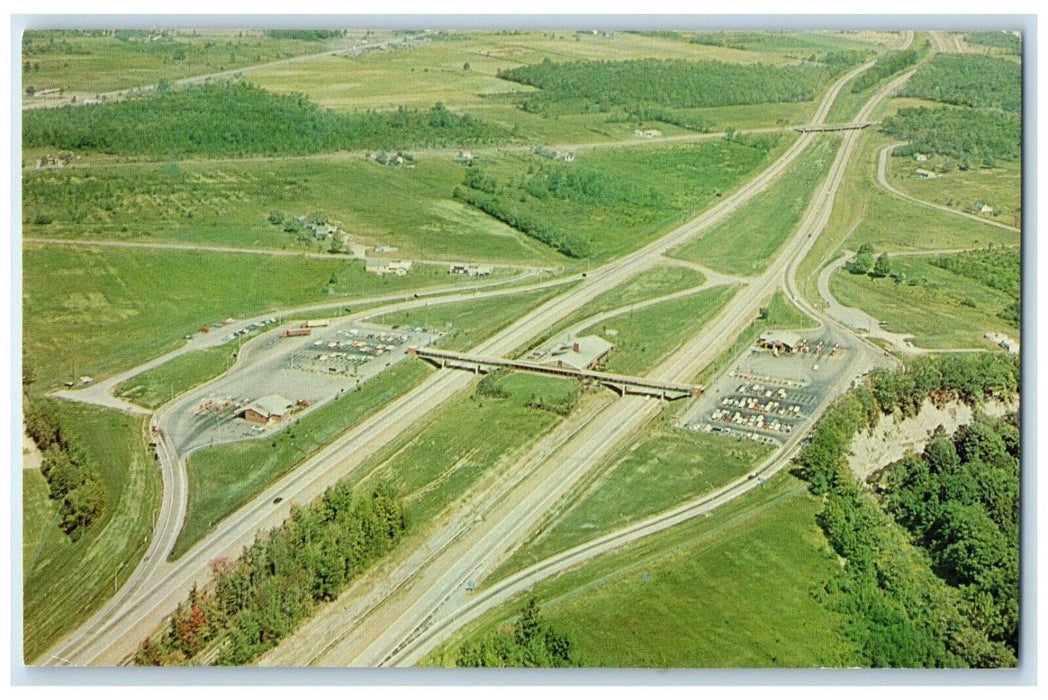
x: 900, y: 612
x: 998, y: 268
x: 959, y: 500
x: 73, y: 480
x: 531, y: 642
x: 237, y: 119
x: 255, y: 601
x: 1007, y: 41
x: 656, y: 83
x: 972, y: 136
x: 514, y: 215
x: 889, y: 63
x: 970, y: 81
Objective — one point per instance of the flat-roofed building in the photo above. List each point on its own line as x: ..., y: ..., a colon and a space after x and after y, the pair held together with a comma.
x: 579, y: 353
x: 273, y: 408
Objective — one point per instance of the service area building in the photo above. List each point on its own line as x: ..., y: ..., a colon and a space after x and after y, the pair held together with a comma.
x: 580, y: 353
x: 273, y: 408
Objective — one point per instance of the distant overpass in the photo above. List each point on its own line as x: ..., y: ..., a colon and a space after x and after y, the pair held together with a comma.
x: 854, y: 126
x: 621, y: 383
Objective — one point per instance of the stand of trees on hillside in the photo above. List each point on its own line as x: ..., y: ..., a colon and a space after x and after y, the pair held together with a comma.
x: 73, y: 481
x: 254, y: 602
x: 1006, y: 41
x: 923, y: 597
x: 972, y: 136
x: 969, y: 81
x: 237, y: 119
x: 531, y: 642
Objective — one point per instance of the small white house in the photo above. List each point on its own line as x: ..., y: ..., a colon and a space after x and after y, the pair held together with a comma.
x: 986, y: 209
x: 920, y: 157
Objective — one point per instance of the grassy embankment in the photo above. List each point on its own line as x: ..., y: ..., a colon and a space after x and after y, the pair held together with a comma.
x: 735, y: 589
x: 641, y: 338
x: 745, y: 242
x: 64, y: 582
x: 223, y: 478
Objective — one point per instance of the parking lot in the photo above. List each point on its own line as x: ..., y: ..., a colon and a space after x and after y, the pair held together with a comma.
x: 767, y: 393
x: 298, y: 366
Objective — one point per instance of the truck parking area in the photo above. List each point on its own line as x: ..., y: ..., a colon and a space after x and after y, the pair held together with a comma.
x: 770, y: 389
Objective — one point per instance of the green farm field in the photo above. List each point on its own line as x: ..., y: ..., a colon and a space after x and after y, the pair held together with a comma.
x: 641, y: 338
x: 736, y: 589
x: 75, y: 302
x: 656, y: 469
x: 64, y: 582
x: 229, y: 202
x: 745, y: 242
x: 940, y: 308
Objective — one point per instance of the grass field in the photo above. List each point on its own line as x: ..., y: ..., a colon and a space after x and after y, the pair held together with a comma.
x: 440, y: 461
x: 91, y: 62
x: 735, y: 589
x: 1000, y: 186
x: 941, y: 309
x: 864, y: 213
x: 595, y: 202
x: 228, y: 202
x: 746, y: 241
x: 77, y: 301
x: 156, y: 387
x: 649, y: 284
x: 644, y: 338
x: 64, y: 582
x: 656, y: 469
x: 223, y: 478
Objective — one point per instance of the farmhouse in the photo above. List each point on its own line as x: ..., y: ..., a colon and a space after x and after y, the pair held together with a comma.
x: 920, y: 157
x: 580, y: 353
x: 925, y: 174
x: 554, y: 154
x: 273, y: 408
x: 464, y: 155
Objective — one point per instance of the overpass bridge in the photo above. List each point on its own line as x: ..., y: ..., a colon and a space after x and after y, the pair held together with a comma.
x: 854, y: 126
x: 621, y: 383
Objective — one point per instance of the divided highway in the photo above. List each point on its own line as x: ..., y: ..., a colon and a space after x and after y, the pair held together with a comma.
x: 107, y: 639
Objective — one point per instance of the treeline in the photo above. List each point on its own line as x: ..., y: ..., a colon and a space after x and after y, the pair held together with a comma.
x: 889, y: 63
x: 236, y: 119
x: 648, y: 83
x: 73, y: 480
x: 305, y: 34
x: 508, y: 213
x: 1007, y: 41
x: 531, y: 642
x: 999, y: 268
x: 972, y: 136
x: 959, y: 501
x: 969, y: 81
x: 900, y: 613
x: 257, y: 600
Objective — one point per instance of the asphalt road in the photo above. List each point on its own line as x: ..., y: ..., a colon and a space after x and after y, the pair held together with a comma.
x: 107, y: 639
x: 882, y: 180
x: 375, y: 638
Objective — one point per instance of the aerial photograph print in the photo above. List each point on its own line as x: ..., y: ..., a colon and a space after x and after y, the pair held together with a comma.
x: 586, y: 347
